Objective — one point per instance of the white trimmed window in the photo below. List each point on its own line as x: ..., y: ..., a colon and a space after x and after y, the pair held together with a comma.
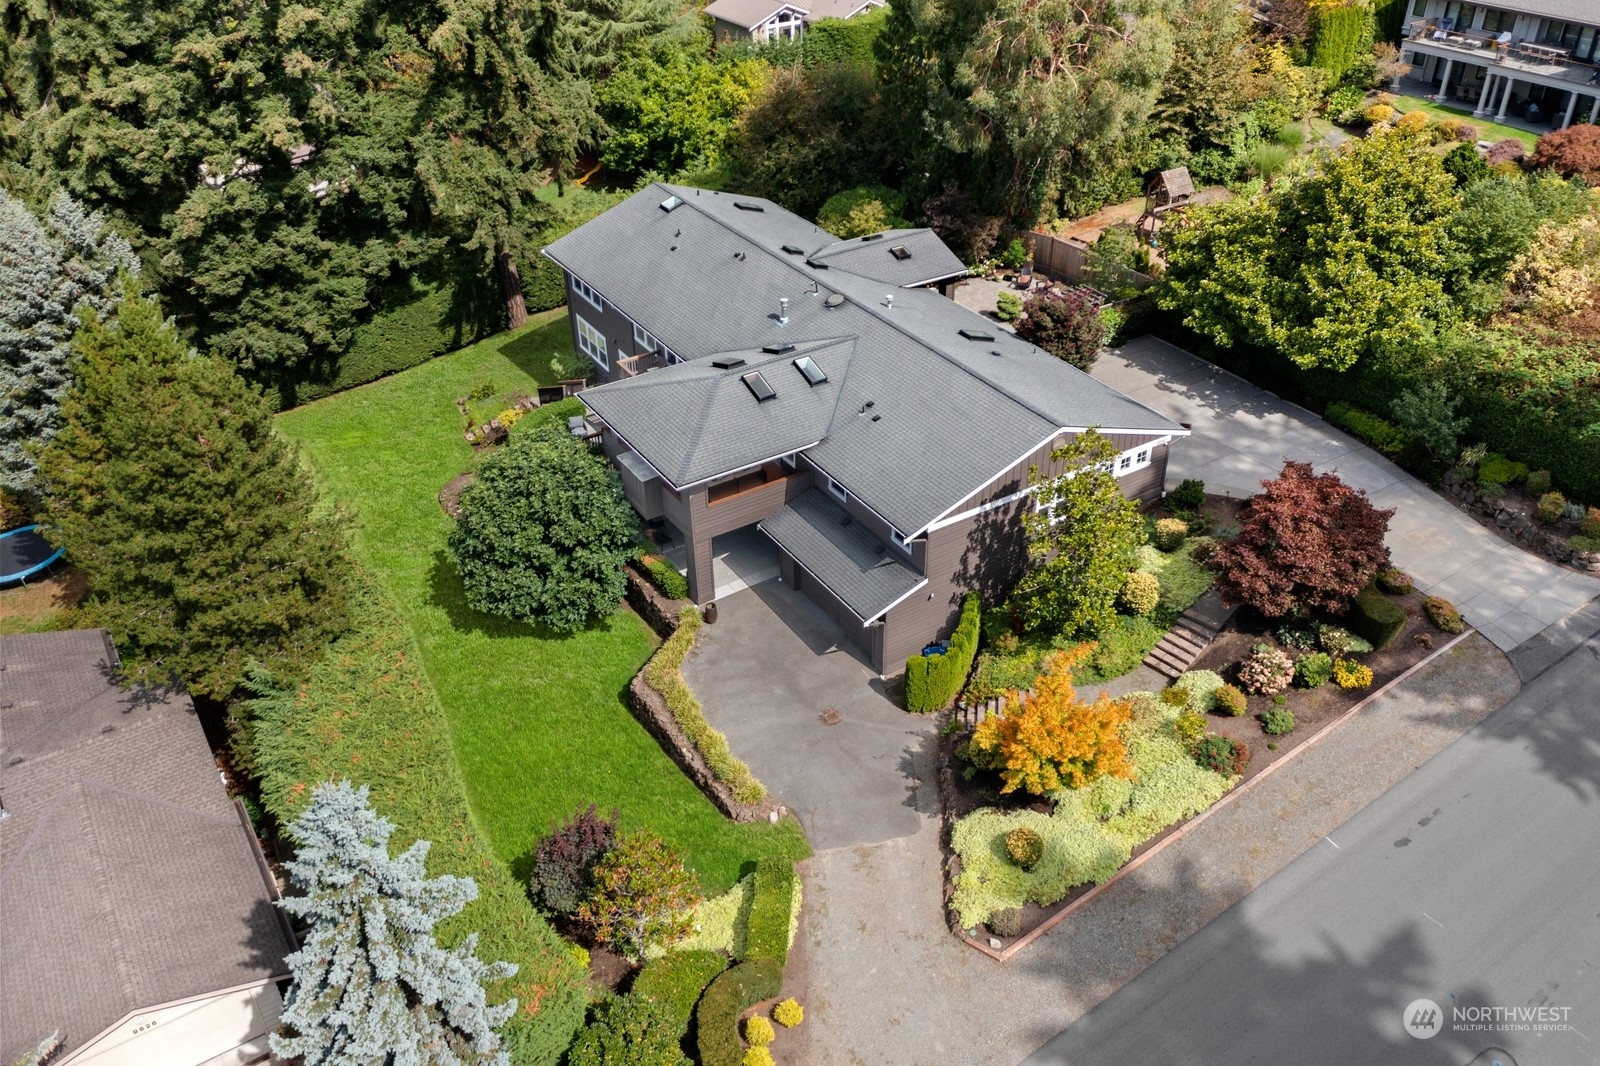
x: 838, y: 491
x: 673, y: 358
x: 642, y: 341
x: 592, y: 342
x: 580, y: 287
x: 1134, y: 459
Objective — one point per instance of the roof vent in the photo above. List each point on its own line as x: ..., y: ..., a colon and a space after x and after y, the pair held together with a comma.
x: 794, y: 249
x: 877, y: 418
x: 976, y: 334
x: 810, y: 371
x: 783, y: 310
x: 834, y: 300
x: 873, y: 237
x: 745, y: 205
x: 816, y: 265
x: 777, y: 349
x: 758, y: 386
x: 670, y: 202
x: 888, y: 300
x: 900, y: 251
x: 727, y: 362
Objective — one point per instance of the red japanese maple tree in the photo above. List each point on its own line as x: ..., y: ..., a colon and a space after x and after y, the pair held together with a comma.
x: 1307, y: 541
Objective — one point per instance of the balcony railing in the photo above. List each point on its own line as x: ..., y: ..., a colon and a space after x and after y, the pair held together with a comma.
x: 1503, y: 50
x: 634, y: 365
x: 766, y: 476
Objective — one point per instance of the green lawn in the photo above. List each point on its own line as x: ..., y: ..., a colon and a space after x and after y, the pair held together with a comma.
x: 538, y: 722
x: 1487, y: 131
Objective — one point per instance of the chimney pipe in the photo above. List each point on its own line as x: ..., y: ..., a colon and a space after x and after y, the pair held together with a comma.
x: 888, y: 300
x: 783, y: 310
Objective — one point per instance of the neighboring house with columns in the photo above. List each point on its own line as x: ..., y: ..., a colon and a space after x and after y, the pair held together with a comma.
x: 778, y: 20
x: 1536, y: 59
x: 759, y: 372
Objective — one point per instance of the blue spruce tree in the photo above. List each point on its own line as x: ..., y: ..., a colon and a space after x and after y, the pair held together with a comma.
x: 48, y: 270
x: 371, y: 985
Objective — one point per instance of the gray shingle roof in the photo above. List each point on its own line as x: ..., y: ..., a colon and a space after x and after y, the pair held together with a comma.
x: 844, y: 555
x: 101, y: 914
x: 835, y: 9
x: 706, y: 278
x: 924, y: 257
x: 1586, y: 11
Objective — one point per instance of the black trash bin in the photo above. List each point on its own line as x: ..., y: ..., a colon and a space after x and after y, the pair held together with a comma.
x: 710, y: 611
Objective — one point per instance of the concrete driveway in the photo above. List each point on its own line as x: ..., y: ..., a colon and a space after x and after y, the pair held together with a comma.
x: 1243, y: 434
x: 766, y: 673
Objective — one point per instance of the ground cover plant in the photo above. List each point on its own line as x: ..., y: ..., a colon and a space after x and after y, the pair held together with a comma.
x: 536, y: 721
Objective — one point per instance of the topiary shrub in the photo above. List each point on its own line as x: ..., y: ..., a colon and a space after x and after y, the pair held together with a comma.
x: 1231, y: 701
x: 788, y: 1013
x: 1550, y: 508
x: 564, y: 861
x: 1223, y: 755
x: 1375, y: 618
x: 1349, y: 674
x: 1443, y: 614
x: 1169, y: 534
x: 730, y: 995
x: 758, y: 1032
x: 1007, y: 306
x: 1199, y: 689
x: 1538, y: 482
x: 1267, y: 671
x: 1311, y: 671
x: 1188, y: 496
x: 1394, y: 581
x: 677, y: 979
x: 1006, y: 922
x: 1276, y: 721
x: 932, y: 681
x: 770, y: 906
x: 1413, y: 122
x: 665, y: 577
x: 1141, y: 593
x: 1024, y: 846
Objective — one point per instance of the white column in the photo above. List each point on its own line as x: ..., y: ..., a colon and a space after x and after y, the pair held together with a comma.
x: 1483, y: 97
x: 1505, y: 98
x: 1444, y: 82
x: 1572, y: 105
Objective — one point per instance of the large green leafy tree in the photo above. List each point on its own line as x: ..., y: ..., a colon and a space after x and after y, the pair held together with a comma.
x: 196, y: 525
x: 1081, y: 537
x: 1328, y: 269
x: 675, y: 108
x: 544, y: 533
x: 48, y: 270
x: 1026, y: 101
x: 371, y: 984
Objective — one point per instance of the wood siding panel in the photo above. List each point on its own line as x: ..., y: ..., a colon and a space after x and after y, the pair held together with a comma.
x: 616, y: 326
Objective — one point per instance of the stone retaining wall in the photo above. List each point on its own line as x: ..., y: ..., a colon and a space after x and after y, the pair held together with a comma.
x: 659, y: 612
x: 1528, y: 533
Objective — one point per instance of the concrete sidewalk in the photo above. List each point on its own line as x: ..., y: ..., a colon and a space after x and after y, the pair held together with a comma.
x: 1243, y: 434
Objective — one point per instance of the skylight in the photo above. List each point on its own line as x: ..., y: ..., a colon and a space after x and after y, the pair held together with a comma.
x: 816, y: 265
x: 758, y: 386
x: 810, y: 371
x: 976, y: 334
x: 900, y: 251
x: 873, y: 237
x: 745, y: 205
x: 794, y: 249
x: 670, y: 202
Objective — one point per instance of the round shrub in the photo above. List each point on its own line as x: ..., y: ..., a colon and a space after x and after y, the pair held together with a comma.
x: 1188, y: 496
x: 1378, y: 113
x: 1443, y: 614
x: 1224, y: 755
x: 1313, y: 670
x: 1024, y: 846
x: 1267, y: 671
x: 1231, y: 701
x: 1199, y: 689
x: 1509, y: 150
x: 1276, y: 721
x: 1200, y: 548
x: 1141, y: 593
x: 1337, y: 641
x: 1591, y: 523
x: 1394, y: 581
x: 1538, y: 482
x: 1006, y: 922
x: 757, y: 1056
x: 1008, y: 305
x: 1550, y: 507
x: 758, y: 1031
x: 1581, y: 543
x: 1415, y: 122
x: 789, y: 1013
x: 1189, y: 726
x: 1170, y: 533
x: 1350, y: 674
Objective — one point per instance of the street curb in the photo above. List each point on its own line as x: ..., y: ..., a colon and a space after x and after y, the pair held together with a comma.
x: 1005, y: 954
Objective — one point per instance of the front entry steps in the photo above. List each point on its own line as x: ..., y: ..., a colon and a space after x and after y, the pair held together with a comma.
x: 1189, y: 636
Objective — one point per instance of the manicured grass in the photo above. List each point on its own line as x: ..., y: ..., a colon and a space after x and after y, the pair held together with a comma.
x: 538, y: 722
x: 1487, y: 131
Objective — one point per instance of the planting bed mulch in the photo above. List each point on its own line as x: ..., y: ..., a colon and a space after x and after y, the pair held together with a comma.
x: 1313, y: 709
x: 610, y: 971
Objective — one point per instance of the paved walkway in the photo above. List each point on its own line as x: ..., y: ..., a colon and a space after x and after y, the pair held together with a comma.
x: 1243, y: 434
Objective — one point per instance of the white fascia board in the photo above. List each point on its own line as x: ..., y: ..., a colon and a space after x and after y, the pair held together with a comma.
x: 749, y: 466
x: 918, y: 587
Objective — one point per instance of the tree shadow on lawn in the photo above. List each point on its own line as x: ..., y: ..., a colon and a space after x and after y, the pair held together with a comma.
x: 533, y: 351
x: 445, y: 592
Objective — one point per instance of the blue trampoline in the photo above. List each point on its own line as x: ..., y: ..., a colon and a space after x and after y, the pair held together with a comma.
x: 24, y: 553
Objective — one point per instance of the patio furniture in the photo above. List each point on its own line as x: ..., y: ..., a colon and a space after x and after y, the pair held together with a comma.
x: 1025, y: 276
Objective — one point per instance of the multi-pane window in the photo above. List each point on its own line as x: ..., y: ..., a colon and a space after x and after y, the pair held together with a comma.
x: 592, y: 342
x: 582, y: 288
x: 642, y: 341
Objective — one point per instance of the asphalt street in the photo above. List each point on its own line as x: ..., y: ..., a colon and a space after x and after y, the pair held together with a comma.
x: 1473, y: 884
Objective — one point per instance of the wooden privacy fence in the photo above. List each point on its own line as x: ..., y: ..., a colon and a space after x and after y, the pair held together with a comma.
x: 1072, y: 262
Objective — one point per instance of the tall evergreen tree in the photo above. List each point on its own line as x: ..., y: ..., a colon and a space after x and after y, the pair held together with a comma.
x: 47, y: 271
x: 197, y: 527
x: 371, y: 984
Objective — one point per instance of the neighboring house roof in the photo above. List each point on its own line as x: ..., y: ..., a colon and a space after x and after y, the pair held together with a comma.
x: 706, y: 277
x: 1575, y: 10
x: 749, y: 13
x: 127, y: 879
x: 901, y: 257
x: 838, y: 9
x: 843, y: 554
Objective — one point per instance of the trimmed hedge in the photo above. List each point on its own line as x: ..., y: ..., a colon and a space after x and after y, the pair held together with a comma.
x: 665, y: 577
x: 1384, y: 436
x: 932, y: 681
x: 663, y: 673
x: 850, y: 40
x: 678, y: 979
x: 1375, y: 618
x: 727, y: 997
x: 768, y: 936
x: 1443, y: 614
